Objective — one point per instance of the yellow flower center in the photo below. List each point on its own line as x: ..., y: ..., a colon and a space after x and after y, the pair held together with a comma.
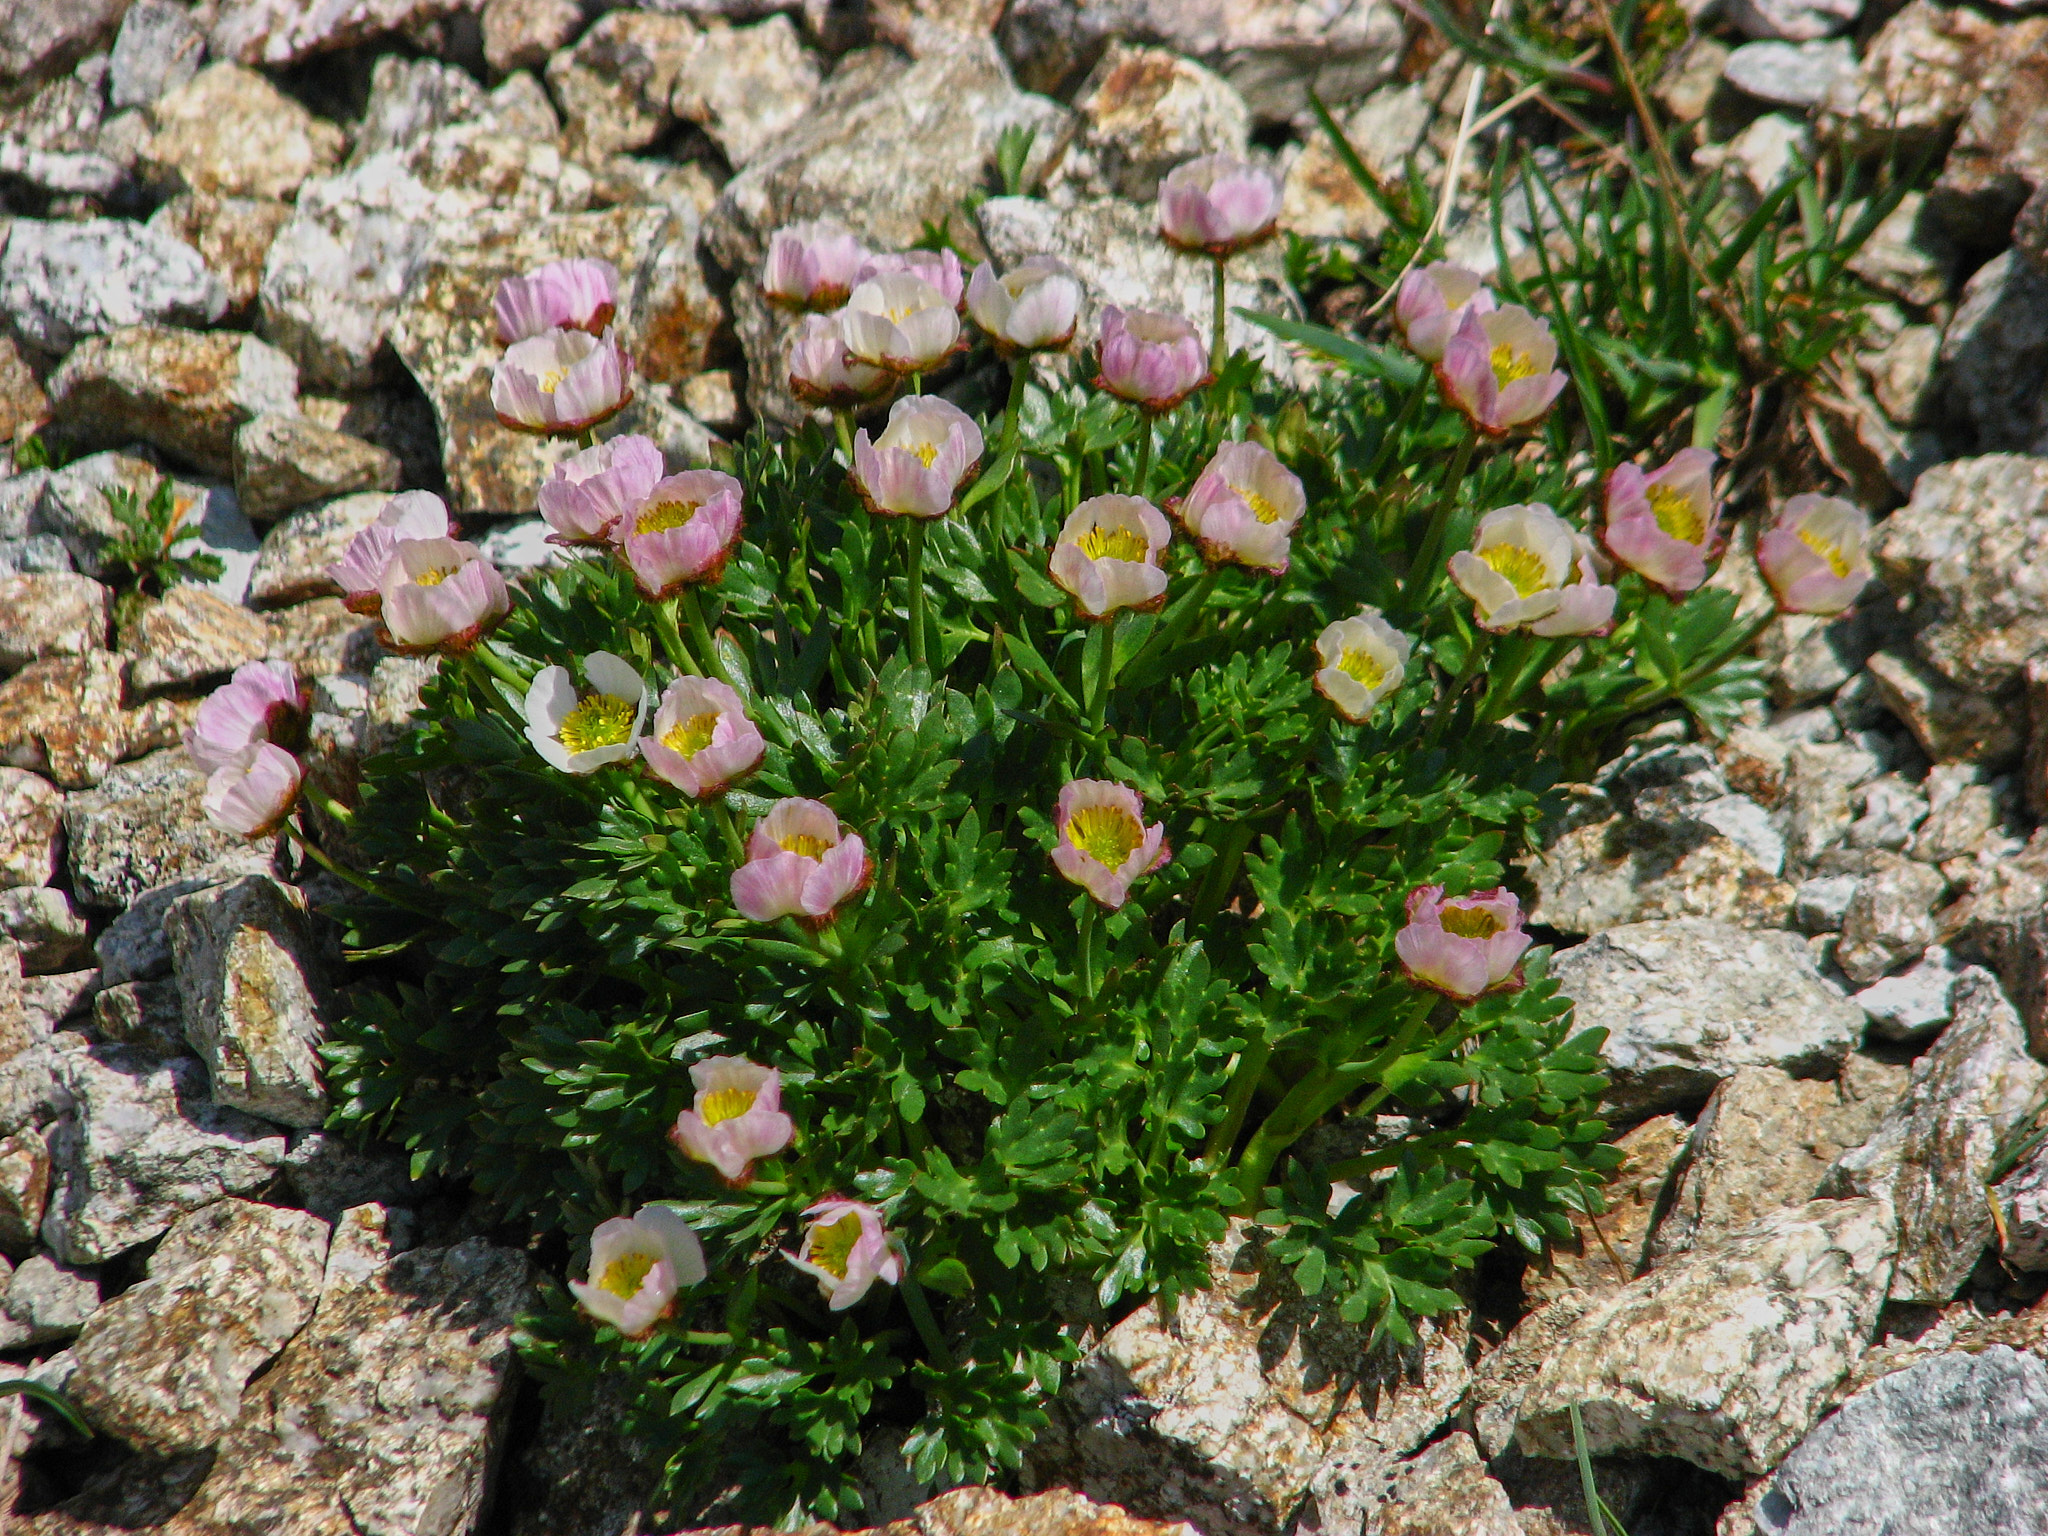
x: 1108, y: 834
x: 1510, y: 364
x: 1677, y: 515
x: 925, y: 452
x: 1472, y: 922
x: 440, y: 573
x: 1522, y: 567
x: 1357, y: 662
x: 1827, y: 549
x: 1116, y: 542
x: 599, y: 720
x: 898, y: 316
x: 725, y: 1104
x: 551, y: 381
x: 664, y: 515
x: 624, y: 1275
x: 832, y: 1246
x: 1262, y: 509
x: 804, y: 845
x: 688, y: 737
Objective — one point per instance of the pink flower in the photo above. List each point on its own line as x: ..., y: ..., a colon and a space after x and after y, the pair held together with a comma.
x: 1433, y: 303
x: 1816, y: 556
x: 823, y: 372
x: 1516, y: 569
x: 1107, y: 555
x: 1585, y: 606
x: 1464, y: 946
x: 1152, y: 360
x: 1034, y: 308
x: 939, y: 268
x: 579, y: 295
x: 637, y: 1264
x: 1496, y: 368
x: 799, y: 865
x: 1665, y: 525
x: 1104, y: 843
x: 360, y: 570
x: 812, y: 266
x: 736, y: 1118
x: 261, y: 702
x: 900, y: 322
x: 1364, y: 658
x: 1218, y: 204
x: 252, y: 794
x: 561, y: 383
x: 440, y: 595
x: 846, y: 1249
x: 923, y: 457
x: 589, y: 492
x: 702, y: 740
x: 1243, y: 508
x: 684, y: 533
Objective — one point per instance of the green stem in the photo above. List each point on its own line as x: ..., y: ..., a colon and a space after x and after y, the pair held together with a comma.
x: 487, y: 657
x: 362, y: 883
x: 1013, y: 413
x: 1218, y: 355
x: 1085, y: 944
x: 671, y: 638
x: 1421, y: 578
x: 331, y: 809
x: 722, y: 814
x: 1740, y: 641
x: 1481, y: 644
x: 708, y: 1340
x: 1229, y: 859
x: 1105, y: 678
x: 1400, y: 422
x: 914, y: 575
x: 635, y: 797
x: 768, y: 1188
x: 842, y: 423
x: 1237, y: 1096
x: 921, y: 1314
x: 1144, y: 475
x: 700, y: 631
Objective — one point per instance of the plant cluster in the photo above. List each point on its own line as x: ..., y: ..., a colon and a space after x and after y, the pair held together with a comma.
x: 893, y: 900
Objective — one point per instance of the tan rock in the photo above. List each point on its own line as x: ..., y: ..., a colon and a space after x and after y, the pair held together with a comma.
x: 23, y: 405
x: 1952, y: 725
x: 1446, y: 1491
x: 746, y: 86
x: 62, y: 718
x: 142, y: 827
x: 1917, y: 77
x: 1502, y: 1377
x: 229, y: 130
x: 283, y: 461
x: 614, y: 85
x: 1609, y: 1250
x: 24, y: 1187
x: 31, y: 818
x: 292, y: 565
x: 1143, y: 111
x: 524, y: 34
x: 51, y: 615
x: 231, y: 234
x: 1622, y: 870
x: 315, y: 637
x: 191, y: 635
x: 920, y: 27
x: 274, y: 32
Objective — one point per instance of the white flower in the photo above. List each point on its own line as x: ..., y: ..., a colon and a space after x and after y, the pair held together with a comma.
x: 581, y: 732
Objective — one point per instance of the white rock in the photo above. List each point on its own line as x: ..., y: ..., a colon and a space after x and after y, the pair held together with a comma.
x: 1913, y: 1004
x: 63, y: 281
x: 1790, y: 74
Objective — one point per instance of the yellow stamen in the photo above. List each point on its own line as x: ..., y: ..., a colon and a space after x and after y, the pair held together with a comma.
x: 1510, y: 364
x: 1262, y: 509
x: 689, y: 737
x: 1677, y: 514
x: 551, y: 381
x: 925, y: 452
x: 1523, y: 568
x: 433, y: 577
x: 1472, y: 922
x: 1114, y: 543
x: 725, y: 1104
x: 599, y: 720
x: 664, y: 515
x: 1827, y: 549
x: 804, y: 845
x: 623, y: 1276
x: 1108, y: 834
x: 1357, y: 662
x: 832, y: 1246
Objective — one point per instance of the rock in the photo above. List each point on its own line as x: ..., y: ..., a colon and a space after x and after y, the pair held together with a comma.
x: 522, y: 34
x: 1914, y: 1004
x: 1999, y: 158
x: 40, y: 38
x: 283, y: 461
x: 1724, y: 1356
x: 1786, y: 74
x: 1893, y: 808
x: 133, y: 946
x: 146, y: 1014
x: 316, y: 637
x: 384, y: 1413
x: 231, y: 234
x: 1794, y: 21
x: 1902, y: 373
x: 62, y: 718
x: 23, y: 405
x: 50, y: 932
x: 1242, y: 1406
x: 31, y: 811
x: 142, y: 827
x: 579, y: 1472
x: 521, y: 546
x: 1688, y: 1001
x: 253, y: 992
x: 1911, y: 257
x: 1919, y: 74
x: 292, y: 565
x: 921, y: 27
x: 190, y: 636
x: 157, y: 49
x: 2022, y: 1197
x: 1964, y: 817
x: 1820, y: 779
x: 1822, y: 903
x: 328, y: 1174
x: 1930, y: 1154
x: 229, y: 130
x: 72, y: 504
x: 1610, y: 1250
x: 163, y: 1366
x: 47, y: 1302
x: 1950, y: 1446
x: 185, y: 391
x: 65, y: 281
x: 745, y: 86
x: 1446, y: 1491
x: 55, y: 615
x: 1890, y: 921
x: 274, y: 32
x: 24, y: 1187
x: 1320, y: 199
x: 1994, y: 357
x: 978, y: 1512
x: 37, y: 555
x: 1764, y: 1142
x: 614, y: 85
x: 1501, y: 1377
x: 1142, y: 112
x: 49, y: 1001
x: 1621, y: 870
x: 140, y: 1147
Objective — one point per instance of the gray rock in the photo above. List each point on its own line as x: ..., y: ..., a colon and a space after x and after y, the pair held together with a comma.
x: 1930, y: 1154
x: 1964, y: 817
x: 1319, y: 197
x: 292, y: 565
x: 192, y: 635
x: 149, y: 1015
x: 24, y: 1187
x: 1998, y: 159
x: 1790, y: 74
x: 615, y: 84
x: 1892, y: 809
x: 47, y: 1302
x: 157, y: 50
x: 276, y: 32
x: 1952, y: 725
x: 745, y: 86
x: 524, y: 34
x: 18, y: 497
x: 142, y: 827
x: 1890, y: 921
x: 1821, y: 778
x: 253, y: 991
x: 1822, y: 902
x: 163, y: 1366
x: 231, y: 234
x: 1918, y: 76
x: 229, y: 130
x: 57, y: 615
x: 40, y: 554
x: 31, y: 815
x: 133, y: 946
x: 218, y: 527
x: 62, y: 282
x: 2022, y: 1197
x: 1951, y: 1446
x: 1914, y: 1004
x: 283, y: 461
x: 1687, y: 1002
x: 522, y: 546
x: 49, y: 930
x: 1793, y: 20
x: 1443, y: 1491
x: 329, y: 1174
x: 1141, y: 112
x: 39, y: 38
x: 1502, y: 1376
x: 1994, y: 356
x: 1608, y: 1251
x: 1911, y: 258
x: 1725, y: 1356
x: 410, y: 98
x: 62, y: 718
x: 72, y: 505
x: 1902, y: 372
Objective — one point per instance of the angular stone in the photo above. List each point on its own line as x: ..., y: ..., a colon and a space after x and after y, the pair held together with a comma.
x: 185, y: 391
x: 31, y: 812
x: 190, y: 636
x: 1623, y: 870
x: 292, y: 565
x: 163, y: 1366
x: 1994, y: 357
x: 2022, y: 1197
x: 24, y: 1187
x: 317, y: 637
x: 157, y: 49
x: 1999, y: 158
x: 231, y: 234
x: 72, y: 504
x: 133, y: 947
x: 275, y: 32
x: 1787, y: 74
x: 1890, y: 921
x: 1142, y: 112
x: 614, y: 85
x: 23, y: 405
x: 229, y: 130
x: 1918, y: 76
x: 61, y: 282
x: 39, y: 38
x: 1609, y: 1250
x: 1821, y: 777
x: 62, y: 718
x: 1914, y: 1004
x: 47, y: 1302
x: 57, y: 615
x: 49, y: 931
x: 328, y: 1174
x: 523, y: 34
x: 141, y: 1146
x: 1446, y: 1491
x: 745, y: 86
x: 285, y: 461
x: 142, y: 827
x: 1322, y: 200
x: 1793, y: 20
x: 1930, y: 1154
x: 1687, y: 1002
x: 1902, y: 373
x: 1725, y: 1356
x: 409, y: 99
x: 1908, y: 256
x: 1951, y: 724
x: 253, y: 992
x: 1964, y: 817
x: 149, y: 1015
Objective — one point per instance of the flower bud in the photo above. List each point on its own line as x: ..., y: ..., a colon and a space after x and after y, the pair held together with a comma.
x: 683, y: 534
x: 1107, y: 555
x: 1664, y: 525
x: 580, y: 731
x: 1433, y: 303
x: 587, y: 494
x: 1243, y: 508
x: 901, y: 323
x: 1104, y: 843
x: 440, y: 595
x: 561, y: 383
x: 1462, y: 947
x: 737, y: 1116
x: 1218, y: 204
x: 1816, y: 556
x: 799, y: 864
x: 360, y: 570
x: 1496, y: 368
x: 637, y: 1264
x: 846, y: 1249
x: 1152, y: 360
x: 916, y: 469
x: 261, y: 702
x: 252, y: 794
x: 822, y: 372
x: 1364, y: 659
x: 1035, y: 308
x: 812, y: 266
x: 702, y: 741
x: 580, y: 295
